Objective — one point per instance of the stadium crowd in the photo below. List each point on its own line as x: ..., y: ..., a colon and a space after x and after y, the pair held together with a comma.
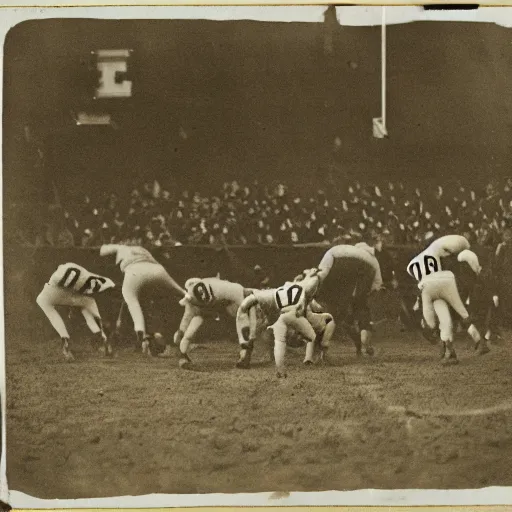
x: 252, y: 213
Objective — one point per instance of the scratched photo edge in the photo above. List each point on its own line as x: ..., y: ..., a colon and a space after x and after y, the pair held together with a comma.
x: 6, y: 506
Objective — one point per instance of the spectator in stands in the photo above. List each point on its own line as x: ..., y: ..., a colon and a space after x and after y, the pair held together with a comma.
x: 257, y: 214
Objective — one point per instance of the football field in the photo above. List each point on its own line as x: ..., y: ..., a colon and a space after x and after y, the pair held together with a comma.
x: 132, y: 425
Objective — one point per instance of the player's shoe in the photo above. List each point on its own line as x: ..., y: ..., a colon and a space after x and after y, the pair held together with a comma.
x: 358, y: 345
x: 484, y: 350
x: 106, y: 346
x: 482, y: 347
x: 140, y: 345
x: 66, y: 352
x: 450, y: 358
x: 370, y: 351
x: 307, y: 362
x: 244, y: 361
x: 68, y: 356
x: 185, y: 362
x: 243, y: 364
x: 109, y: 351
x: 146, y: 346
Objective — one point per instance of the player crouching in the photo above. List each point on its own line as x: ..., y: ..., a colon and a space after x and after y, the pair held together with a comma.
x: 73, y: 285
x: 202, y: 296
x: 281, y: 310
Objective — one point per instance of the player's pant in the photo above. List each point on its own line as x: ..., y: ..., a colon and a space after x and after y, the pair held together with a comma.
x: 482, y: 308
x: 438, y: 291
x: 243, y: 324
x: 280, y: 328
x: 190, y: 324
x: 243, y: 328
x: 139, y: 277
x: 361, y: 313
x: 324, y: 326
x: 346, y: 291
x: 52, y: 296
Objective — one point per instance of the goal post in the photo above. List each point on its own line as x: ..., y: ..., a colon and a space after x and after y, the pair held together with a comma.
x: 379, y: 123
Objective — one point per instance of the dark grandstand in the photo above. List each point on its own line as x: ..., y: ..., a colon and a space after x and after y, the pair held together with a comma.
x: 262, y: 105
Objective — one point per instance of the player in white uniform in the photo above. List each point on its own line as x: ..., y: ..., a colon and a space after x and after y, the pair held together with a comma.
x: 73, y: 285
x: 285, y: 308
x: 348, y: 276
x: 322, y: 322
x: 141, y: 271
x: 439, y: 292
x: 203, y: 295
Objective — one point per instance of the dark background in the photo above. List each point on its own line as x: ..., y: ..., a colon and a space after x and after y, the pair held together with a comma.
x: 256, y: 100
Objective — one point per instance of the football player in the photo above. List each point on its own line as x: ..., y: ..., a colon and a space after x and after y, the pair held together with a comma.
x: 210, y: 294
x: 141, y: 271
x: 439, y: 292
x: 281, y: 310
x: 73, y: 285
x: 348, y: 275
x: 321, y: 321
x: 478, y: 289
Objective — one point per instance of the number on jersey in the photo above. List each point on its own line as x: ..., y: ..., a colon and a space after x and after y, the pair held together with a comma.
x: 288, y: 296
x: 91, y: 285
x: 420, y: 268
x: 202, y: 293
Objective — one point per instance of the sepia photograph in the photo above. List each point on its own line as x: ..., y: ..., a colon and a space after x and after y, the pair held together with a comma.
x: 257, y: 250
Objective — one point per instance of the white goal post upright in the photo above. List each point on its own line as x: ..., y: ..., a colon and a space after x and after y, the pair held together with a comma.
x: 383, y: 66
x: 379, y: 123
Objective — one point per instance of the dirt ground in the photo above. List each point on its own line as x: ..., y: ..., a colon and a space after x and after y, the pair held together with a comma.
x: 131, y: 425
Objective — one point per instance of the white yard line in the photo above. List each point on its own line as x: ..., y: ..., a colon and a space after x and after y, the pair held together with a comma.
x: 505, y: 406
x: 359, y: 376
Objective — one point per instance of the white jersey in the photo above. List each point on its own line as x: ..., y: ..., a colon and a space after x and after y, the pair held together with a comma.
x: 77, y: 279
x: 349, y: 252
x: 127, y: 255
x: 429, y: 261
x: 292, y: 296
x: 213, y: 291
